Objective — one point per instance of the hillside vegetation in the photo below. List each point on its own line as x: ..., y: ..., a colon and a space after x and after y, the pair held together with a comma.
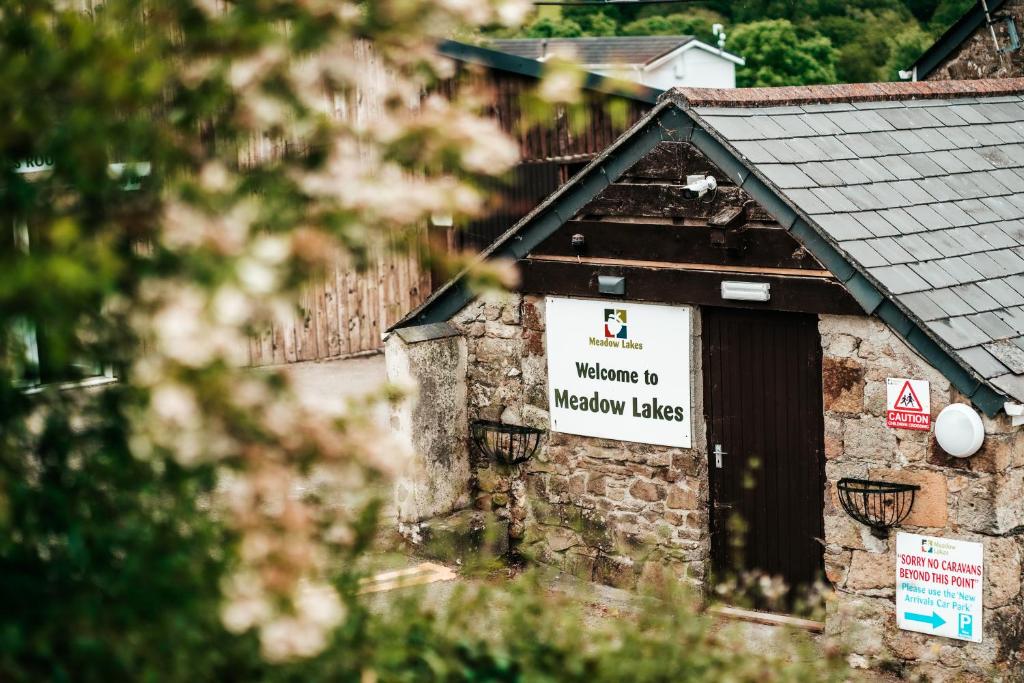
x: 785, y: 42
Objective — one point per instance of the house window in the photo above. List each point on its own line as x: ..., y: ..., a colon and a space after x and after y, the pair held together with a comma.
x: 32, y: 355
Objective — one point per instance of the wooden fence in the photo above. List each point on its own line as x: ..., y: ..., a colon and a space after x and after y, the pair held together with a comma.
x: 346, y: 312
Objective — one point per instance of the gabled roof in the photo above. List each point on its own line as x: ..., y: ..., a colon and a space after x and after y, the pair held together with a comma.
x: 645, y: 51
x: 495, y: 59
x: 953, y: 38
x: 911, y: 194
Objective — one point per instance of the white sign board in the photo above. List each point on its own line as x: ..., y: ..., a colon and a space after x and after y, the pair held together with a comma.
x: 938, y: 586
x: 33, y: 165
x: 907, y: 405
x: 619, y: 370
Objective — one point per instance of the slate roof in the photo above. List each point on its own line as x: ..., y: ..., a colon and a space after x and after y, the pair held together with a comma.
x: 611, y: 50
x: 925, y: 196
x: 911, y: 194
x: 495, y: 59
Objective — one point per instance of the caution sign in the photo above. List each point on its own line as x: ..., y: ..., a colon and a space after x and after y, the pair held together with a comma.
x: 908, y: 405
x: 939, y: 586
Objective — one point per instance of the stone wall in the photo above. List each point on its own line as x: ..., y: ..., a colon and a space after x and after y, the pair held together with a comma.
x: 624, y: 513
x: 977, y: 56
x: 611, y: 511
x: 432, y: 422
x: 978, y: 498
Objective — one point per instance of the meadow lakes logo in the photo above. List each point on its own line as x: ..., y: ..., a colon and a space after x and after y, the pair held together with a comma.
x: 616, y: 331
x: 615, y: 323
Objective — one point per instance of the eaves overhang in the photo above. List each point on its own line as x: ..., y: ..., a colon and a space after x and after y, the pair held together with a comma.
x: 503, y: 61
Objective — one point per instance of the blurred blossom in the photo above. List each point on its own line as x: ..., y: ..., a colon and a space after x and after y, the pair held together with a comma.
x: 322, y: 144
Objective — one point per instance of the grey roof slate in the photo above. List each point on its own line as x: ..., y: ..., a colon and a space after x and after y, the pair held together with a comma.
x: 925, y: 196
x: 601, y: 50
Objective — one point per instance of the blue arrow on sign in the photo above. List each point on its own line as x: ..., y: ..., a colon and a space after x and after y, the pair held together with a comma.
x: 934, y: 620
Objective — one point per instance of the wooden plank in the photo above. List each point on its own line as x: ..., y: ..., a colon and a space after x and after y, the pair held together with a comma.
x: 769, y: 247
x: 331, y: 324
x: 700, y: 287
x: 340, y: 304
x: 322, y: 331
x: 668, y: 200
x: 362, y: 306
x: 756, y: 270
x: 767, y: 618
x: 352, y: 308
x: 305, y: 329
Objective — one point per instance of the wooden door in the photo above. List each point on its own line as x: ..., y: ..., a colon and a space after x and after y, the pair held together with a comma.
x: 762, y: 399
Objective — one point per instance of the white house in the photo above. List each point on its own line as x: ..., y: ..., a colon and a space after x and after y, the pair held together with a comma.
x: 657, y: 61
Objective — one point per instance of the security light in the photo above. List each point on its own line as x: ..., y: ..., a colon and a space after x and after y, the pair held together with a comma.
x: 746, y: 291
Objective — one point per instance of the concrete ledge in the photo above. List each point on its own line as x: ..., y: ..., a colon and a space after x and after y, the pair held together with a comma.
x: 428, y: 332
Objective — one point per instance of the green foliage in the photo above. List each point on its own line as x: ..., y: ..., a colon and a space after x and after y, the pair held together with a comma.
x: 546, y: 27
x: 598, y: 24
x: 905, y: 48
x: 525, y: 633
x: 946, y: 14
x: 671, y: 25
x: 777, y: 53
x: 873, y: 39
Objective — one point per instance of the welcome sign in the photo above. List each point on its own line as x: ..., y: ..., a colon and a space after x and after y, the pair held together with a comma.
x: 619, y: 370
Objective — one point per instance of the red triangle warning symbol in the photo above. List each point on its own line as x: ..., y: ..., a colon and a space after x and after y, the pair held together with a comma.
x: 907, y: 400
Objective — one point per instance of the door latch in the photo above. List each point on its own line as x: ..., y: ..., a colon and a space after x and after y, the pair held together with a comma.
x: 718, y: 455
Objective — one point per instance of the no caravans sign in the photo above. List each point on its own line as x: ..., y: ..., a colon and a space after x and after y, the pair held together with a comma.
x: 939, y: 586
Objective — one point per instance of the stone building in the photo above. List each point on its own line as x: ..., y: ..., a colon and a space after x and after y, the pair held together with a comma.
x: 981, y: 44
x: 706, y: 361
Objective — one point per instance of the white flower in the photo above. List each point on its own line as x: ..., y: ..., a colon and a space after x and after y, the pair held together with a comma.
x: 175, y: 404
x: 513, y: 12
x: 320, y: 605
x: 231, y: 306
x: 257, y: 276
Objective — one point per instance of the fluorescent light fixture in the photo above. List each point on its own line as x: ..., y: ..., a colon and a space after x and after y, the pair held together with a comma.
x: 746, y: 291
x: 442, y: 220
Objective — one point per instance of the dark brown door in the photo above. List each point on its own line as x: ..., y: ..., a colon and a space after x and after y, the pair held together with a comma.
x: 762, y: 397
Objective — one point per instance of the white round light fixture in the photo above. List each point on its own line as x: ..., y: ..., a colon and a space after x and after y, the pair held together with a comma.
x: 959, y: 430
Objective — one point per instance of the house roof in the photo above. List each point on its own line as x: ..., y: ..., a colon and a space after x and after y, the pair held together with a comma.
x: 609, y: 50
x: 911, y: 194
x: 503, y: 61
x: 953, y: 38
x: 646, y: 51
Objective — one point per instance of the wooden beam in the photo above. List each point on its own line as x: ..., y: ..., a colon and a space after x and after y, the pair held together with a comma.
x: 761, y: 247
x: 669, y: 200
x: 671, y: 265
x: 766, y: 618
x: 677, y: 286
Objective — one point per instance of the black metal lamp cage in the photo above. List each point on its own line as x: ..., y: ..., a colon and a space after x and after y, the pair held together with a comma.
x: 880, y: 505
x: 505, y: 443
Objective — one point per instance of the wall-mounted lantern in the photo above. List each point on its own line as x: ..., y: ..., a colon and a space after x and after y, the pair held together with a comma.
x: 959, y: 430
x: 879, y: 505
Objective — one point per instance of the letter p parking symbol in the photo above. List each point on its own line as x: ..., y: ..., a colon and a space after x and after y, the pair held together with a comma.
x: 965, y: 625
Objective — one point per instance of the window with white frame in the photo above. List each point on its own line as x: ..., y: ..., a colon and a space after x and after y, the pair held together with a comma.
x: 30, y: 352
